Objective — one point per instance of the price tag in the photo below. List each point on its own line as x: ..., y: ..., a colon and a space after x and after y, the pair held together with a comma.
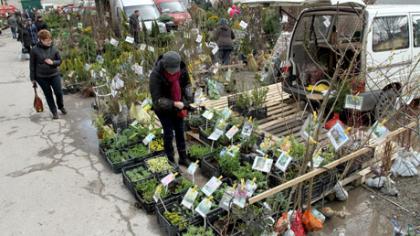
x: 337, y: 136
x: 379, y: 131
x: 317, y: 161
x: 262, y: 164
x: 250, y: 187
x: 226, y: 113
x: 354, y: 102
x: 231, y: 132
x: 283, y: 161
x: 246, y: 130
x: 189, y: 198
x: 212, y: 185
x: 87, y: 67
x: 150, y: 48
x: 129, y: 39
x: 168, y: 179
x: 114, y: 42
x: 208, y: 115
x: 215, y: 50
x: 240, y: 196
x: 199, y: 38
x: 149, y: 138
x: 137, y: 69
x: 284, y: 19
x: 192, y: 168
x: 143, y: 46
x: 204, y: 207
x: 243, y: 24
x: 226, y: 201
x: 80, y: 25
x: 217, y: 133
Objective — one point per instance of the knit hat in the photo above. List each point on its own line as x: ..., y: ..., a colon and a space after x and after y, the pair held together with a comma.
x: 171, y: 61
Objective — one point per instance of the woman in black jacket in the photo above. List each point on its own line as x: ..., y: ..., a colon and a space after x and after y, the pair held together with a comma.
x: 170, y: 87
x: 44, y: 63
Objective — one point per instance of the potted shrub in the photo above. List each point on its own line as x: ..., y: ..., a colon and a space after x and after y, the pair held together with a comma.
x: 195, y: 122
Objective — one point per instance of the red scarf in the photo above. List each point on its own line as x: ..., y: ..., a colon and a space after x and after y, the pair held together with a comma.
x: 175, y: 85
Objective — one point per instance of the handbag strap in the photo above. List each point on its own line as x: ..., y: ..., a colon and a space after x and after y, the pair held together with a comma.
x: 36, y: 93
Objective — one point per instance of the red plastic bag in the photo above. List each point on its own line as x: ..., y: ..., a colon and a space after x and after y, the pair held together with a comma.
x: 39, y: 107
x: 333, y: 121
x: 281, y: 224
x: 310, y: 222
x: 296, y: 224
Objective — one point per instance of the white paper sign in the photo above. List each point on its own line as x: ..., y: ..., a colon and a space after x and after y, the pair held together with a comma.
x: 251, y: 186
x: 114, y: 42
x: 316, y: 161
x: 208, y: 115
x: 231, y: 132
x: 262, y: 164
x: 168, y: 179
x: 189, y: 198
x: 354, y: 102
x: 129, y: 39
x: 199, y: 38
x: 137, y: 69
x: 215, y: 50
x: 243, y: 24
x: 204, y: 207
x: 215, y: 135
x: 143, y: 46
x: 150, y: 48
x: 192, y: 168
x: 284, y: 19
x: 283, y: 161
x: 80, y: 25
x: 226, y: 201
x: 379, y: 131
x: 212, y: 185
x: 337, y: 136
x: 148, y: 139
x: 246, y: 130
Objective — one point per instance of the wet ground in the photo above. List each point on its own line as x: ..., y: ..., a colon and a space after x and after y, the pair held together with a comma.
x: 52, y: 181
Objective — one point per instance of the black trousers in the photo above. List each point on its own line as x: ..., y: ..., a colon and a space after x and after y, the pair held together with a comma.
x: 48, y: 85
x: 224, y: 55
x: 171, y: 124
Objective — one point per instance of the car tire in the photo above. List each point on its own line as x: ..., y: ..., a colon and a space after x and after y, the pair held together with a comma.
x: 386, y: 104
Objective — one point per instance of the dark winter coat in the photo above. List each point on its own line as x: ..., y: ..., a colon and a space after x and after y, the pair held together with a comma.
x: 40, y: 25
x: 25, y: 37
x: 38, y: 68
x: 224, y: 37
x: 134, y: 23
x: 160, y: 89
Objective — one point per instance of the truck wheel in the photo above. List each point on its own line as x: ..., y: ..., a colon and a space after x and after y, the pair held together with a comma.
x: 386, y: 104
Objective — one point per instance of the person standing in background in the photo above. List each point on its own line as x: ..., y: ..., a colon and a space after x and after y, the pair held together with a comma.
x: 135, y: 26
x: 40, y: 24
x: 224, y: 36
x: 44, y: 62
x: 11, y: 21
x: 31, y: 27
x: 25, y: 37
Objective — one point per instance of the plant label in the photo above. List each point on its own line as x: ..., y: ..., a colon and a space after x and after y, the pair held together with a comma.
x: 215, y: 50
x: 262, y: 164
x: 354, y: 102
x: 143, y: 47
x: 246, y: 130
x: 80, y: 25
x: 114, y: 42
x: 250, y: 187
x: 199, y: 38
x: 226, y: 201
x: 228, y: 75
x: 308, y: 127
x: 217, y: 133
x: 186, y: 35
x: 189, y: 198
x: 317, y: 161
x: 156, y: 195
x: 68, y: 17
x: 243, y: 24
x: 379, y: 131
x: 204, y: 207
x: 167, y: 179
x: 337, y: 136
x: 134, y: 123
x: 87, y: 67
x: 150, y: 49
x: 71, y: 73
x: 208, y: 115
x: 231, y: 132
x: 283, y: 162
x: 129, y: 39
x: 192, y: 168
x: 212, y: 185
x: 181, y: 48
x: 226, y: 113
x: 149, y: 138
x: 284, y: 18
x: 137, y: 69
x: 240, y: 196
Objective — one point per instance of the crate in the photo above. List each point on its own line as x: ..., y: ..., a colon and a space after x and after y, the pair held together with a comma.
x: 208, y: 169
x: 358, y: 163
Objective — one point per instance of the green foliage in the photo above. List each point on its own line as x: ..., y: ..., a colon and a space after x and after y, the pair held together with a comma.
x: 137, y: 174
x: 278, y: 202
x: 116, y: 156
x: 297, y: 150
x: 176, y: 219
x: 198, y: 231
x: 159, y: 164
x: 138, y: 151
x: 182, y: 184
x: 196, y: 121
x: 247, y: 145
x: 197, y: 151
x: 229, y: 164
x: 165, y: 18
x: 147, y: 189
x: 245, y: 172
x: 259, y: 96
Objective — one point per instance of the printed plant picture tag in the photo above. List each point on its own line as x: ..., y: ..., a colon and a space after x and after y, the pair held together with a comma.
x: 149, y: 138
x: 137, y: 69
x: 208, y: 115
x: 143, y: 46
x: 80, y: 25
x: 204, y: 207
x: 114, y: 42
x: 317, y: 161
x: 215, y: 50
x: 217, y: 133
x: 231, y: 132
x: 379, y: 131
x: 262, y: 164
x: 150, y: 49
x: 226, y: 113
x: 212, y: 185
x: 250, y: 187
x: 337, y: 136
x: 240, y: 196
x: 168, y: 179
x: 189, y: 198
x: 283, y: 162
x: 243, y: 24
x: 129, y: 39
x: 226, y: 201
x: 354, y: 102
x: 192, y: 168
x: 199, y: 38
x: 246, y: 130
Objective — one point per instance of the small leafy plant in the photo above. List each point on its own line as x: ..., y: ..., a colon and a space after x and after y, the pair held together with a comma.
x: 159, y: 164
x: 198, y: 231
x: 197, y: 151
x: 138, y: 151
x: 137, y: 174
x: 116, y: 156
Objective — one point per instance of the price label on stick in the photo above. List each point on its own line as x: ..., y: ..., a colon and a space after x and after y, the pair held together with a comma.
x: 226, y: 201
x: 192, y: 168
x: 283, y: 161
x: 246, y: 130
x: 204, y: 207
x: 114, y: 42
x: 262, y: 164
x: 231, y: 132
x: 189, y: 198
x: 354, y: 102
x: 217, y: 133
x: 212, y: 185
x: 168, y: 179
x: 243, y: 24
x: 149, y: 138
x: 143, y: 46
x: 199, y: 38
x: 129, y: 39
x: 208, y: 115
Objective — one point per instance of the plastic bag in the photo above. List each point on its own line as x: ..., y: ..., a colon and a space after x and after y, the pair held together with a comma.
x: 340, y: 192
x: 376, y: 182
x: 39, y: 107
x: 310, y: 222
x: 296, y: 224
x: 403, y: 167
x: 281, y: 224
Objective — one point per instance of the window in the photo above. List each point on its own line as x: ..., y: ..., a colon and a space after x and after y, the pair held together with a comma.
x: 416, y: 30
x: 390, y: 33
x: 172, y: 7
x: 311, y: 26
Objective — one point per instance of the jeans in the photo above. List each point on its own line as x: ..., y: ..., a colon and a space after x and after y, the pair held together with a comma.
x: 171, y: 123
x: 225, y: 56
x: 55, y: 83
x: 13, y: 29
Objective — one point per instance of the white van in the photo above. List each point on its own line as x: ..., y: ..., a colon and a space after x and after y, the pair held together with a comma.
x: 148, y: 13
x: 387, y: 36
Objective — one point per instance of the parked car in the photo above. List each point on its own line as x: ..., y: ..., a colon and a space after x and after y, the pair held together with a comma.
x: 148, y: 13
x: 387, y: 37
x: 175, y: 9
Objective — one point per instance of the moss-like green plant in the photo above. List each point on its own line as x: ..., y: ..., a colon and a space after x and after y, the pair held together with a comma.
x: 197, y: 151
x: 137, y: 174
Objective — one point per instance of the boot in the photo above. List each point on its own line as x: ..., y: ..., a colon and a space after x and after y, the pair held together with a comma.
x: 183, y: 160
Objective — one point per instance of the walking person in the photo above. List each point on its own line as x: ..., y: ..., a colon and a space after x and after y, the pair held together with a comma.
x: 25, y: 37
x: 11, y: 21
x: 135, y: 26
x: 40, y: 24
x: 170, y: 87
x: 31, y: 28
x: 44, y: 62
x: 224, y: 36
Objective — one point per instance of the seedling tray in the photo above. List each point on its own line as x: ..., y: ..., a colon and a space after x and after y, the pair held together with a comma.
x: 208, y: 168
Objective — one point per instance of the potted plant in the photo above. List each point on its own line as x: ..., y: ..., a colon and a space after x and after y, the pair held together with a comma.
x: 198, y: 151
x: 195, y: 122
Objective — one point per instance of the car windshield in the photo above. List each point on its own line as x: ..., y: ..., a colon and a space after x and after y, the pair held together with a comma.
x: 147, y: 12
x: 172, y: 7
